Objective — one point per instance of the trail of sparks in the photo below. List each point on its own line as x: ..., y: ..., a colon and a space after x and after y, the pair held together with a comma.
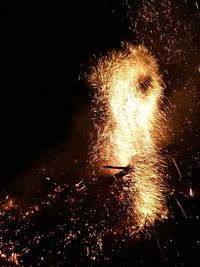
x: 128, y: 93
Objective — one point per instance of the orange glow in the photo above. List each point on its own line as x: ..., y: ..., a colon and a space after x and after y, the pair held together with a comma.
x: 9, y: 204
x: 127, y: 116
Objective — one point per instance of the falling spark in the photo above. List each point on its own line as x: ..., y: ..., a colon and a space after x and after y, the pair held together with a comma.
x: 128, y: 93
x: 159, y: 246
x: 176, y: 166
x: 180, y: 206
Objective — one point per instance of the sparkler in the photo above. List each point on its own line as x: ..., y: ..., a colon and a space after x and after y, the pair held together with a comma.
x: 128, y: 119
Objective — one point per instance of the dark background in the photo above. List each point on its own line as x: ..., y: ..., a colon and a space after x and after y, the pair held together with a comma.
x: 43, y: 46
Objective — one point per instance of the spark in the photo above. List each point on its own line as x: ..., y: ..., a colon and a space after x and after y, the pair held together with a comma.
x: 191, y: 193
x: 159, y: 246
x: 9, y: 204
x: 13, y: 258
x: 176, y: 166
x: 128, y: 92
x: 180, y: 206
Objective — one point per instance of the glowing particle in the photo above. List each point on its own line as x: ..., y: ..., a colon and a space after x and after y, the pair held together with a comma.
x: 87, y: 251
x: 191, y: 193
x: 180, y: 206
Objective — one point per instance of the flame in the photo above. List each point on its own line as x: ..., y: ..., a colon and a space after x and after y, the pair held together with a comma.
x: 128, y: 91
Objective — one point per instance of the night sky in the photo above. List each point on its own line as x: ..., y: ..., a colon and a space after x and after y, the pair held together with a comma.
x: 45, y: 103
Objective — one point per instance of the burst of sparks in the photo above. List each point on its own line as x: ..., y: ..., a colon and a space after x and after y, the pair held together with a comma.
x: 27, y: 235
x: 128, y: 94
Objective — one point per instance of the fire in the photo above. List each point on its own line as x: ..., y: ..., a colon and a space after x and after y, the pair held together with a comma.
x: 128, y: 91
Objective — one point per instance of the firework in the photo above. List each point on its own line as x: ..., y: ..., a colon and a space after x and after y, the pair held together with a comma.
x: 128, y: 92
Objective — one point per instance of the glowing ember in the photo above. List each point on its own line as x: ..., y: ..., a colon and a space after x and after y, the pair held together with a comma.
x: 191, y: 193
x: 128, y: 93
x: 8, y: 205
